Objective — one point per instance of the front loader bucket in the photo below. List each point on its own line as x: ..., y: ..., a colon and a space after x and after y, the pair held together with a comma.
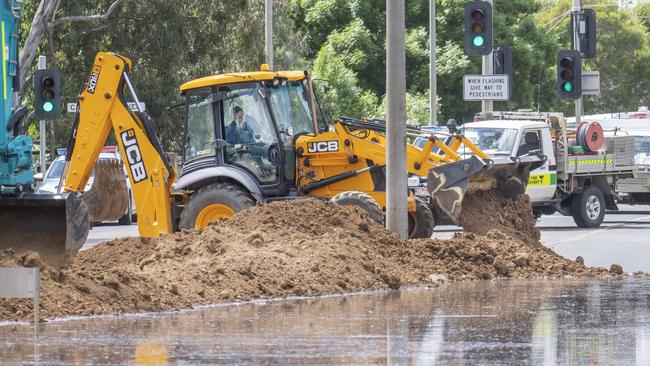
x: 108, y: 198
x: 53, y: 225
x: 449, y: 183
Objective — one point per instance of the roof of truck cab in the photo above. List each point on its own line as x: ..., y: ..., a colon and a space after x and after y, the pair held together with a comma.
x: 518, y: 124
x: 240, y: 77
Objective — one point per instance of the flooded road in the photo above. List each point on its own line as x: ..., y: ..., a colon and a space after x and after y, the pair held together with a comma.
x: 491, y: 323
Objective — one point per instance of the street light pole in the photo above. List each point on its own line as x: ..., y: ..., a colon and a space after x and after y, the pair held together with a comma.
x: 433, y: 77
x: 396, y: 187
x: 268, y: 14
x: 576, y: 46
x: 488, y: 69
x: 42, y: 131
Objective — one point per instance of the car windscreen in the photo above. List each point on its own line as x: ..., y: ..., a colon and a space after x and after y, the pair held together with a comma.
x: 496, y: 141
x: 56, y: 170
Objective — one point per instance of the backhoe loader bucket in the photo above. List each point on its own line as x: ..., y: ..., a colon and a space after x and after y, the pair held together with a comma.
x: 448, y: 183
x: 53, y: 225
x: 108, y: 197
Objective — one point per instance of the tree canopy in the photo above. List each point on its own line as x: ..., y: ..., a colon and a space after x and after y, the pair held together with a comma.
x: 343, y: 43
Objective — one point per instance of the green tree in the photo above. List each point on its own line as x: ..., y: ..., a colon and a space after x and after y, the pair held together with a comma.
x: 355, y: 31
x: 622, y: 54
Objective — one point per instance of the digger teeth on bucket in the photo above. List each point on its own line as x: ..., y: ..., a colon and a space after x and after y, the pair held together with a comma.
x: 448, y: 183
x: 108, y: 197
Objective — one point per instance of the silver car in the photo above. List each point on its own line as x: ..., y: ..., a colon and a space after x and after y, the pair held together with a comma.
x: 50, y: 182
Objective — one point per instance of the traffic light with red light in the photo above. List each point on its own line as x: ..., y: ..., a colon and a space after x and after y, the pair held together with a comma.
x: 478, y: 28
x: 47, y: 94
x: 569, y: 74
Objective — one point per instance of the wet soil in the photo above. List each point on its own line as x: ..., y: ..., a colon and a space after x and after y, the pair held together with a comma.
x: 292, y: 248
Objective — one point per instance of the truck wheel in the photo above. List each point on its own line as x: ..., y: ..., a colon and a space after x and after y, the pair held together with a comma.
x: 421, y: 221
x: 214, y: 202
x: 362, y: 201
x: 588, y: 207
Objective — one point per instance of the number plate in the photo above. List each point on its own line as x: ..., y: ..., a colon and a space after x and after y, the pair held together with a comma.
x: 421, y: 191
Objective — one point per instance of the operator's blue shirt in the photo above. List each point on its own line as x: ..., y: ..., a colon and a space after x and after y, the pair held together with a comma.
x: 239, y: 135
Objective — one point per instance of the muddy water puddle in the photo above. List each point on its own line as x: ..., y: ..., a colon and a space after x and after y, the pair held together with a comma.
x: 486, y: 322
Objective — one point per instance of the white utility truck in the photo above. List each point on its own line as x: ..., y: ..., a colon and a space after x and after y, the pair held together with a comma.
x: 573, y: 182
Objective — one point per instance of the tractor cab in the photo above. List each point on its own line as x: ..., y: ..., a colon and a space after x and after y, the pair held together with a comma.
x: 244, y: 125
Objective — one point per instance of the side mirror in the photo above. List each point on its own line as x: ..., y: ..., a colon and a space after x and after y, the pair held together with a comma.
x: 38, y: 177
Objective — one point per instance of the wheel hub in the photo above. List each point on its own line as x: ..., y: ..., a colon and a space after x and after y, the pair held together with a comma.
x: 593, y: 207
x: 213, y: 212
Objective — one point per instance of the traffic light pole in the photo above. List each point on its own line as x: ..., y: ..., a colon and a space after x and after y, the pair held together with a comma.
x: 433, y: 77
x: 576, y: 42
x: 42, y: 130
x: 488, y: 69
x: 396, y: 187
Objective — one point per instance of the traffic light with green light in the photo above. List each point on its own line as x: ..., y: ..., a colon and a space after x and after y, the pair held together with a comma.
x: 47, y: 94
x: 478, y: 28
x: 569, y: 74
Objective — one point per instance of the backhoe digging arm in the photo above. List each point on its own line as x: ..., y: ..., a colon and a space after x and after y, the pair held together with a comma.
x: 102, y: 106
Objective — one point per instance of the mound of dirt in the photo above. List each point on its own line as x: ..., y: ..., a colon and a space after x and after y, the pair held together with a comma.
x: 292, y: 248
x: 488, y: 210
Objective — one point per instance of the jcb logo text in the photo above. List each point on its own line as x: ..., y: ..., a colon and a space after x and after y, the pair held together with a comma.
x: 323, y: 146
x: 134, y: 156
x: 94, y: 78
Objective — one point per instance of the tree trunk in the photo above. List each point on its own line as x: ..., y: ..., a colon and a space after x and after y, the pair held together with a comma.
x: 45, y: 10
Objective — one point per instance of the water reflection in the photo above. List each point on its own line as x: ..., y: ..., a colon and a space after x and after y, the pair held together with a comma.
x: 495, y: 323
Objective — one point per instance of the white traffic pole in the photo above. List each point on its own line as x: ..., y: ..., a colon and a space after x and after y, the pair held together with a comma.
x: 268, y: 13
x: 576, y: 46
x: 488, y: 69
x: 396, y: 187
x: 433, y: 78
x: 42, y: 131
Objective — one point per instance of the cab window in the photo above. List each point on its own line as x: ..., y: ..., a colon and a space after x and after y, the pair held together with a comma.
x: 290, y: 106
x: 200, y: 139
x: 249, y: 132
x: 530, y: 141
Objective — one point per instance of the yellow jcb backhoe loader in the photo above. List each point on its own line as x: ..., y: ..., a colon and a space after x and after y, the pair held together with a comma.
x: 259, y: 137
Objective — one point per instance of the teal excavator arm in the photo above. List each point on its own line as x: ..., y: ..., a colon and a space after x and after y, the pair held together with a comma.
x: 15, y: 149
x: 54, y: 226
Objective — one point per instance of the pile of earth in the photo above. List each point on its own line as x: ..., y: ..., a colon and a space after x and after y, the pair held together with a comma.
x: 292, y: 248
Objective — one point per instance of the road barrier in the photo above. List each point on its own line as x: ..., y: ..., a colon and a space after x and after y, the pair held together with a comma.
x: 21, y: 283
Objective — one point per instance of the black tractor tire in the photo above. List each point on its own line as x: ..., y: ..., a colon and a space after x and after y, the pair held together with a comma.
x: 127, y: 219
x: 362, y: 201
x: 588, y: 208
x: 421, y: 221
x: 227, y: 194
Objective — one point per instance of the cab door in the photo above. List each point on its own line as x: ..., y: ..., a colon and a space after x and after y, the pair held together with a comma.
x: 543, y: 180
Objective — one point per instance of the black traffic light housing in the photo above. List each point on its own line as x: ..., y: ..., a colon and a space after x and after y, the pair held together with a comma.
x: 502, y: 57
x: 586, y: 20
x: 478, y: 28
x: 47, y: 94
x: 569, y: 74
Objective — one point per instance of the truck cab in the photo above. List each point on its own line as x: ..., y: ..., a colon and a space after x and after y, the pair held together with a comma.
x: 516, y: 139
x: 573, y: 181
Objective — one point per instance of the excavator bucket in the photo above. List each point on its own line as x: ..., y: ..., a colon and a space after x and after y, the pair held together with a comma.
x: 53, y: 225
x: 448, y: 183
x: 108, y: 197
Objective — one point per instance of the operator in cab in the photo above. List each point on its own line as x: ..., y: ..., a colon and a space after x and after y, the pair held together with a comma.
x: 239, y: 130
